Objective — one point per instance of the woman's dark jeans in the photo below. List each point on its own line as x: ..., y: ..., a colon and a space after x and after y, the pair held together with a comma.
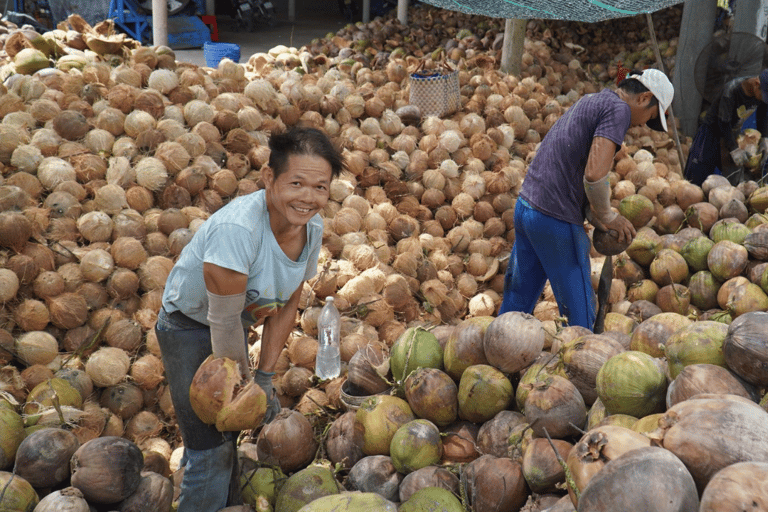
x: 209, y: 455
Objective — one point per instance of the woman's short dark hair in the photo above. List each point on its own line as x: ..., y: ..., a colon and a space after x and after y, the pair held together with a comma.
x: 635, y: 86
x: 303, y: 140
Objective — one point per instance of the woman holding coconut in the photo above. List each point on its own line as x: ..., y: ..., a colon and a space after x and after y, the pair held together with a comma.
x: 568, y: 177
x: 245, y: 264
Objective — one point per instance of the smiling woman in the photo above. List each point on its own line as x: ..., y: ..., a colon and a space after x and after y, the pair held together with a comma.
x: 245, y: 264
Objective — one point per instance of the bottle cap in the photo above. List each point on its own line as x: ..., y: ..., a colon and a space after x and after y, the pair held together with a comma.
x: 329, y: 299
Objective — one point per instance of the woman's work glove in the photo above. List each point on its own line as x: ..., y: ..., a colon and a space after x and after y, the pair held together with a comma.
x: 740, y: 157
x: 264, y: 380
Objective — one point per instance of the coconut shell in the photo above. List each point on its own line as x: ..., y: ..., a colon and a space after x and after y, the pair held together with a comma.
x: 465, y: 346
x: 695, y: 379
x: 432, y: 395
x: 607, y: 242
x: 746, y: 347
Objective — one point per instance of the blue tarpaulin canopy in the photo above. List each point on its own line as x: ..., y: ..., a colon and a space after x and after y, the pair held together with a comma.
x: 576, y: 10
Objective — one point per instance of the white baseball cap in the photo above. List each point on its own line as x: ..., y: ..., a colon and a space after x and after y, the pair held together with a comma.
x: 658, y: 83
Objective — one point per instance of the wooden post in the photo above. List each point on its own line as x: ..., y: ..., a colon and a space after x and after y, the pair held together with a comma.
x: 366, y: 11
x: 512, y: 47
x: 695, y: 33
x: 675, y: 135
x: 159, y: 22
x: 402, y: 11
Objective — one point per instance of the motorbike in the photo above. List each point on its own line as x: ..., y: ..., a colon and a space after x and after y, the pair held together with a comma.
x: 250, y: 13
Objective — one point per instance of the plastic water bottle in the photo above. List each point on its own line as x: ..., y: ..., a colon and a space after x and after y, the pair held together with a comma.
x: 328, y: 362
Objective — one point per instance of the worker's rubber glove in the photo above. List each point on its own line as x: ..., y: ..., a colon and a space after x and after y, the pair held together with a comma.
x: 264, y: 380
x: 740, y: 157
x: 762, y: 147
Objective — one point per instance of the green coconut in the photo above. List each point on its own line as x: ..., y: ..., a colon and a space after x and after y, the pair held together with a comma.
x: 416, y: 445
x: 261, y: 482
x: 700, y: 342
x: 11, y: 435
x: 30, y: 60
x: 45, y: 394
x: 618, y: 420
x: 483, y: 392
x: 377, y: 420
x: 432, y: 499
x: 351, y: 502
x: 647, y: 424
x: 18, y: 494
x: 695, y: 253
x: 644, y: 246
x: 746, y: 298
x: 415, y: 348
x: 632, y: 383
x: 638, y: 209
x: 703, y: 289
x: 729, y: 229
x: 304, y: 487
x: 596, y: 414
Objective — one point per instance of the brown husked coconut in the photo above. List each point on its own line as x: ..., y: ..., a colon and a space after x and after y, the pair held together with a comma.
x: 43, y: 457
x: 68, y: 310
x: 287, y: 441
x: 107, y: 469
x: 495, y: 483
x: 659, y: 479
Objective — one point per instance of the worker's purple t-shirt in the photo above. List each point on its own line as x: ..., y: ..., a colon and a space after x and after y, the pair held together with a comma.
x: 554, y: 184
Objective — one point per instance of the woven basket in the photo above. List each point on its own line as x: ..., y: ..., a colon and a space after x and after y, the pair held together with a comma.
x: 435, y: 91
x: 214, y: 52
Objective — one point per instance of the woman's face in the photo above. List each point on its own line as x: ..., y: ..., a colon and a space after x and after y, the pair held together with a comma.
x: 301, y: 191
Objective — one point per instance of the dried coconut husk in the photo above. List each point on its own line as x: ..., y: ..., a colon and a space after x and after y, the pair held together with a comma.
x: 31, y: 315
x: 107, y: 366
x: 296, y: 381
x: 154, y: 272
x: 125, y: 334
x: 68, y: 310
x: 70, y: 125
x: 35, y: 374
x: 36, y: 347
x: 143, y: 425
x: 313, y: 401
x: 302, y: 351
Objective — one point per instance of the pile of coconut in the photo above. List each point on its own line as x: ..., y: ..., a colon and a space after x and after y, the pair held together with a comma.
x: 114, y: 154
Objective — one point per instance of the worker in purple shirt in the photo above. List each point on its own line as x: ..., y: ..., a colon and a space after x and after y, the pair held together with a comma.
x: 568, y: 179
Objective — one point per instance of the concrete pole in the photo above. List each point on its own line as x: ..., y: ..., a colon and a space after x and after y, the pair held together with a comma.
x: 402, y: 11
x: 210, y: 7
x: 696, y: 30
x: 291, y: 10
x: 159, y: 23
x: 512, y: 47
x: 366, y: 11
x: 751, y: 16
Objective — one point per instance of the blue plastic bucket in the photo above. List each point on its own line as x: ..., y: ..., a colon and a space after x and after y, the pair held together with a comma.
x: 214, y: 52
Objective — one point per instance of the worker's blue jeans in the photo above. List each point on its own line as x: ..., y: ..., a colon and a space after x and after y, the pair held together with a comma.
x: 209, y: 455
x: 548, y: 248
